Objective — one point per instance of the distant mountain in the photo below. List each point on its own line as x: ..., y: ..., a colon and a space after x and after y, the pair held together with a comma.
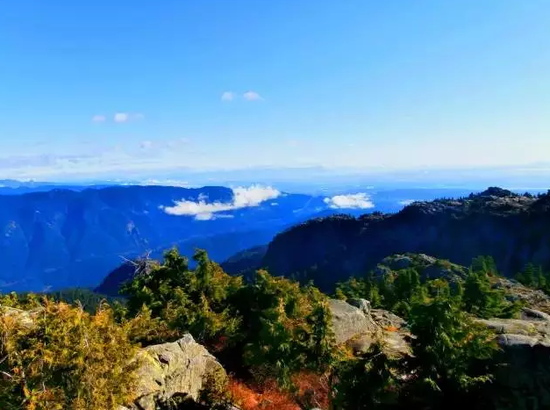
x: 14, y: 187
x: 64, y: 238
x: 513, y: 228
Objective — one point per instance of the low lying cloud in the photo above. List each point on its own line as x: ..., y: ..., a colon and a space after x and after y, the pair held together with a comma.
x: 406, y: 202
x: 351, y: 201
x: 242, y: 198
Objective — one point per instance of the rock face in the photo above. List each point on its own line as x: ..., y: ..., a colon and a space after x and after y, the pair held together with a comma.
x: 357, y: 326
x: 514, y: 290
x: 182, y: 369
x: 514, y: 229
x: 524, y: 383
x: 533, y: 329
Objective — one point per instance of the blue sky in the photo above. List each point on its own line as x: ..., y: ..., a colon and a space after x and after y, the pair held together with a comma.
x: 118, y: 87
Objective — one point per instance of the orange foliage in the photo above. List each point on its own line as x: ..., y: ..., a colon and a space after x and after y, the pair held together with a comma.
x: 268, y: 397
x: 391, y: 329
x: 313, y: 389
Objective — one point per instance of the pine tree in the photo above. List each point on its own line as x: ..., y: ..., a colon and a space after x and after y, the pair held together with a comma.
x: 452, y: 354
x: 370, y: 382
x: 481, y: 300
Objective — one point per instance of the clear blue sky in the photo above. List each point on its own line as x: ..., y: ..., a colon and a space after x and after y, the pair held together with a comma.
x: 95, y: 87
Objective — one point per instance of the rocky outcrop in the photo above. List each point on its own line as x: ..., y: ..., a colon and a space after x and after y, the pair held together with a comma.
x: 524, y: 382
x: 428, y: 267
x: 514, y: 290
x: 358, y: 327
x: 533, y: 329
x: 181, y: 370
x: 349, y: 322
x: 24, y: 317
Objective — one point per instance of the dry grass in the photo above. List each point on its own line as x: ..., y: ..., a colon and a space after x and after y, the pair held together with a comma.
x: 313, y: 389
x: 267, y: 397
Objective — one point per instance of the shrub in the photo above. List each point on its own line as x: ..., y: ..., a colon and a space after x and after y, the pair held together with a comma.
x: 65, y: 359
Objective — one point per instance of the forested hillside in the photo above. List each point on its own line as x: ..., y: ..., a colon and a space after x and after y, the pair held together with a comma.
x: 514, y: 229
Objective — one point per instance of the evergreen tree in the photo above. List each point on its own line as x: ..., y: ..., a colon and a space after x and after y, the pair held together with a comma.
x: 481, y: 300
x: 289, y: 325
x: 370, y: 382
x: 196, y: 301
x: 452, y: 354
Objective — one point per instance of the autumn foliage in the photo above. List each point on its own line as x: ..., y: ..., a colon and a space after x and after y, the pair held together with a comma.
x: 267, y: 397
x: 63, y: 358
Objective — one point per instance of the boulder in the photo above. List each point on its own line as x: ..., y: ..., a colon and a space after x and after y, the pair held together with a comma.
x: 533, y: 329
x: 182, y: 370
x: 25, y: 317
x: 358, y: 326
x: 362, y: 304
x: 349, y: 321
x: 525, y: 348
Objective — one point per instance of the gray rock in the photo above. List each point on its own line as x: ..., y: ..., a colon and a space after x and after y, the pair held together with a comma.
x: 398, y: 262
x: 360, y: 327
x: 349, y: 321
x: 535, y: 315
x: 510, y: 326
x: 425, y: 259
x: 511, y: 340
x: 362, y: 304
x: 183, y: 369
x: 386, y: 319
x: 25, y: 317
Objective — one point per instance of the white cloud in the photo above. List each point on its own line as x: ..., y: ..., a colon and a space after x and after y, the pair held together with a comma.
x: 351, y: 201
x: 228, y: 96
x: 146, y: 144
x: 252, y: 96
x: 99, y: 118
x: 242, y: 198
x: 121, y: 117
x: 407, y: 202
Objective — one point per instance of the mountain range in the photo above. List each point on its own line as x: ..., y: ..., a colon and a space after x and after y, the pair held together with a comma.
x: 512, y: 228
x: 61, y: 236
x: 65, y: 238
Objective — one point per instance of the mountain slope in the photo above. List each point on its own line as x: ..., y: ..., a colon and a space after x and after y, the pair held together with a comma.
x: 63, y: 238
x: 514, y: 229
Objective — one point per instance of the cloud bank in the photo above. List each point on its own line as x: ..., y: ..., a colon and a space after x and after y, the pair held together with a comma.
x: 407, y: 202
x: 242, y: 198
x: 351, y: 201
